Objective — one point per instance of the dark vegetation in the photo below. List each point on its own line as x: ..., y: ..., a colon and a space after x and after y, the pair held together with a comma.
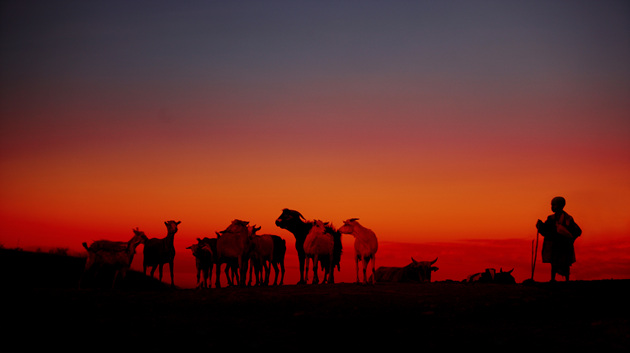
x: 44, y: 310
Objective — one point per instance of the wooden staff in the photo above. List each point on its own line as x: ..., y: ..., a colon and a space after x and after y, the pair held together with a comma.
x: 534, y: 254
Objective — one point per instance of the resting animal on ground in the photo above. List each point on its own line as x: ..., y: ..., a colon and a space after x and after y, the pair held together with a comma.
x: 490, y: 275
x: 116, y: 255
x: 365, y: 246
x: 294, y: 222
x: 416, y: 271
x: 158, y: 252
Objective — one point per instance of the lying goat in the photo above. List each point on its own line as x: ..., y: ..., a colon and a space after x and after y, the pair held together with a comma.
x: 416, y: 271
x: 490, y: 275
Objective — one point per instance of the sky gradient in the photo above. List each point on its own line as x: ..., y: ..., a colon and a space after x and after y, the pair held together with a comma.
x: 444, y: 122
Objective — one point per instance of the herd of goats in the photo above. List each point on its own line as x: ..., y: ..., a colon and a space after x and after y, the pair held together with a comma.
x: 240, y: 248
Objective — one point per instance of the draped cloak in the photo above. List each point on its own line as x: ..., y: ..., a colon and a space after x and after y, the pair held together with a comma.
x: 559, y: 232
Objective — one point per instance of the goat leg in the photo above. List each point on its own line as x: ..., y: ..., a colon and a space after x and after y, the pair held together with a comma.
x: 373, y: 269
x: 356, y: 265
x: 331, y: 270
x: 305, y: 273
x: 218, y: 275
x: 153, y: 268
x: 302, y: 259
x: 170, y: 267
x: 267, y: 268
x: 210, y: 268
x: 315, y: 277
x: 276, y: 271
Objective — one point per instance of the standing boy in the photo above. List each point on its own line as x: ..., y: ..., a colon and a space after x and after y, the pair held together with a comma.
x: 559, y: 232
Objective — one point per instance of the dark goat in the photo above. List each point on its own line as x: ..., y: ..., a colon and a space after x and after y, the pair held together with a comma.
x: 260, y: 256
x: 158, y: 252
x: 116, y: 255
x: 294, y: 222
x: 416, y: 271
x: 204, y: 252
x: 490, y: 275
x: 279, y: 250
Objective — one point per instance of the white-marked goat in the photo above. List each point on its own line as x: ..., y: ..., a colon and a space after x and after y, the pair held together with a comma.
x: 115, y: 255
x: 319, y: 242
x: 365, y: 246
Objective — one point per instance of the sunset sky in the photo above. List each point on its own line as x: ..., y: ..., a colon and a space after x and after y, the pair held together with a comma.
x: 446, y: 126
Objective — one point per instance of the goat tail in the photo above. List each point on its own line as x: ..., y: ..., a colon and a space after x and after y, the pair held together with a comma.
x: 86, y: 246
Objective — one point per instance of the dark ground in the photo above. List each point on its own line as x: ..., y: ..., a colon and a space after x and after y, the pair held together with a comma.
x: 143, y: 315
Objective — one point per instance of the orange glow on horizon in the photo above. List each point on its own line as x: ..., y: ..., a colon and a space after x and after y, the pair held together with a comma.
x: 422, y: 131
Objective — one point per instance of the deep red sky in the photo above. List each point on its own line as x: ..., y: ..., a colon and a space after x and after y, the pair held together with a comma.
x: 447, y: 127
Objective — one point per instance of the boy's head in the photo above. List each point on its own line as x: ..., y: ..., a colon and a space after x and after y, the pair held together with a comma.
x: 557, y: 204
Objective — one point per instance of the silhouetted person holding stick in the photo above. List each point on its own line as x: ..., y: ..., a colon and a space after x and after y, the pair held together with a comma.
x: 559, y: 232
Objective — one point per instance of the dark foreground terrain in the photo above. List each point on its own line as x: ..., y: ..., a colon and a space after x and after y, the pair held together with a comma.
x: 540, y: 317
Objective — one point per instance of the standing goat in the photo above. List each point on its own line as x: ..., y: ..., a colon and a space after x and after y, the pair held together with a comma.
x: 294, y: 222
x: 233, y: 245
x: 365, y: 246
x: 266, y: 249
x: 158, y: 252
x: 319, y: 242
x: 116, y: 255
x: 204, y: 252
x: 260, y: 256
x: 279, y: 250
x: 231, y: 266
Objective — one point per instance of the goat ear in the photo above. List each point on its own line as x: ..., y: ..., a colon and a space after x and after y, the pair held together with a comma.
x: 178, y: 222
x: 353, y: 219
